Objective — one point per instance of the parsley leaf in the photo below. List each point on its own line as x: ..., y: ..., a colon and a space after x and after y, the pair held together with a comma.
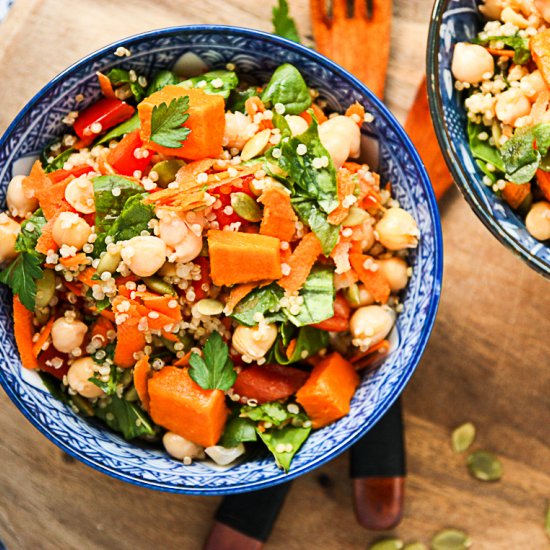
x: 110, y: 386
x: 21, y: 277
x: 283, y: 24
x: 166, y: 123
x: 213, y: 371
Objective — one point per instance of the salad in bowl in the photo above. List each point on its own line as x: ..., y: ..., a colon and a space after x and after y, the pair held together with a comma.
x: 204, y: 264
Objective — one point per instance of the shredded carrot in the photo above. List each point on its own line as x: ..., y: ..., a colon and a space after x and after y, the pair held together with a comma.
x: 23, y: 330
x: 52, y: 199
x: 43, y: 337
x: 85, y: 276
x: 105, y: 85
x: 238, y: 292
x: 543, y: 181
x: 74, y: 261
x: 255, y: 105
x: 36, y: 181
x: 142, y: 373
x: 101, y: 328
x: 46, y: 242
x: 279, y: 219
x: 130, y: 339
x: 347, y: 184
x: 291, y: 348
x: 345, y: 280
x: 356, y: 109
x: 108, y: 314
x: 301, y: 262
x: 375, y: 283
x: 367, y: 358
x: 160, y: 304
x: 501, y: 53
x: 184, y: 361
x: 515, y: 193
x: 317, y: 111
x: 75, y: 288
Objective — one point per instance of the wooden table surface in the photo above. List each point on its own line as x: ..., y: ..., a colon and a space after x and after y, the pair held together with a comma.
x: 487, y: 360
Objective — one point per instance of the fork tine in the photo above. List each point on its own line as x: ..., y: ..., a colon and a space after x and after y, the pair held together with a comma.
x: 361, y: 8
x: 339, y: 9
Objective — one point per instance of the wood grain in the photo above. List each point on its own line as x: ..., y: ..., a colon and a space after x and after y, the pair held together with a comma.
x: 487, y: 360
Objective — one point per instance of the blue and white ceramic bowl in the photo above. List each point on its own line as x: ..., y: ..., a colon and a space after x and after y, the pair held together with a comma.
x: 457, y: 21
x: 255, y: 55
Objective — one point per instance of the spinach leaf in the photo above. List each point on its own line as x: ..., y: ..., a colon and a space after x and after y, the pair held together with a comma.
x: 309, y: 341
x: 110, y: 386
x: 283, y: 24
x: 287, y: 86
x: 482, y: 149
x: 125, y: 417
x: 214, y: 82
x: 121, y: 76
x: 318, y: 294
x: 237, y: 99
x: 264, y: 300
x: 214, y: 370
x: 238, y: 430
x: 161, y: 79
x: 133, y: 219
x: 53, y: 385
x: 520, y: 45
x: 23, y: 272
x: 290, y: 438
x: 524, y: 151
x: 108, y: 206
x: 122, y: 129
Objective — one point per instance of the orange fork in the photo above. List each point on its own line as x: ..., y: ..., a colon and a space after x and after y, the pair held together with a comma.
x: 356, y: 35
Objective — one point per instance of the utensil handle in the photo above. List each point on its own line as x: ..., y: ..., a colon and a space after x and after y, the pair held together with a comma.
x: 245, y: 521
x: 378, y: 469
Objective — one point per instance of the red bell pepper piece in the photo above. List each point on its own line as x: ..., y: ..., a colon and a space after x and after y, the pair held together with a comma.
x: 107, y: 112
x: 45, y: 358
x: 200, y: 293
x: 123, y: 157
x: 339, y: 322
x: 60, y: 175
x: 269, y: 382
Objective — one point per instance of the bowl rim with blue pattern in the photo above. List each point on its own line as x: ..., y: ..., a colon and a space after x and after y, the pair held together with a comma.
x: 494, y: 213
x: 104, y: 450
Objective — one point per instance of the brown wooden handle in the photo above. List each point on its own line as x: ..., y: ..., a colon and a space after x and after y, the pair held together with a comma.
x: 379, y: 501
x: 223, y: 537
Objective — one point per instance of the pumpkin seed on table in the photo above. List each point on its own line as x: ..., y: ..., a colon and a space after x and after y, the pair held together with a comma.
x: 463, y: 437
x: 484, y: 466
x: 246, y: 207
x: 159, y: 285
x: 387, y: 544
x: 166, y: 171
x: 451, y: 539
x: 256, y: 145
x: 415, y: 546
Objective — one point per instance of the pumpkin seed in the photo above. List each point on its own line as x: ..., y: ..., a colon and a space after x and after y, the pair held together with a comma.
x: 547, y: 520
x: 246, y: 207
x: 83, y: 405
x: 484, y: 466
x: 387, y: 544
x: 207, y: 306
x: 415, y: 546
x: 166, y: 171
x: 126, y: 378
x: 351, y: 294
x: 45, y: 289
x: 110, y: 260
x: 256, y: 145
x: 463, y: 437
x: 158, y: 285
x: 356, y: 216
x: 451, y: 539
x: 131, y: 394
x: 42, y: 315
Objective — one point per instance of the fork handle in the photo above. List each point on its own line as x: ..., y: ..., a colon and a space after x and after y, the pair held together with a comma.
x: 378, y: 469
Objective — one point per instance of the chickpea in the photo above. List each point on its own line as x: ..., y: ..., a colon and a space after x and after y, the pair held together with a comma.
x: 179, y: 447
x: 395, y: 270
x: 70, y: 229
x: 78, y: 377
x: 538, y: 220
x: 238, y: 130
x: 511, y: 105
x: 254, y: 342
x: 144, y: 255
x: 9, y: 229
x: 532, y: 85
x: 472, y: 63
x: 397, y: 230
x: 20, y: 202
x: 368, y: 239
x: 224, y: 455
x: 297, y: 124
x: 80, y: 195
x: 341, y: 137
x: 178, y: 235
x: 372, y: 322
x: 491, y: 9
x: 68, y: 334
